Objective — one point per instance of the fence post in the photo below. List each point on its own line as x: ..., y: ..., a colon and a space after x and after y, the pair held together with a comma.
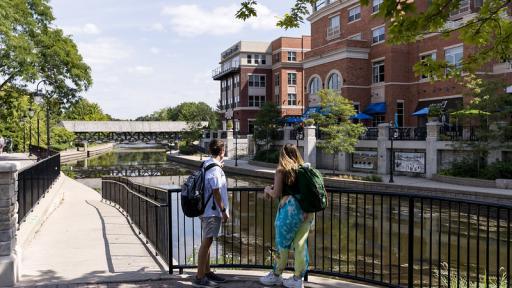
x: 431, y: 149
x: 410, y: 254
x: 9, y: 258
x: 169, y: 245
x: 384, y: 157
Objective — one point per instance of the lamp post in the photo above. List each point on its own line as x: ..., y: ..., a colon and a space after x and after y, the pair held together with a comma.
x: 392, y: 162
x: 22, y: 122
x: 41, y: 98
x: 236, y: 144
x: 31, y: 114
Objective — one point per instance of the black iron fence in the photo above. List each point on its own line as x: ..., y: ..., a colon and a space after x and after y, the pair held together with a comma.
x: 371, y: 133
x: 34, y: 181
x: 295, y: 135
x: 460, y: 133
x: 224, y: 135
x: 389, y: 239
x: 408, y: 133
x: 280, y: 135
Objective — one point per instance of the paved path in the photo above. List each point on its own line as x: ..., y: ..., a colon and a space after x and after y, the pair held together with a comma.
x: 398, y: 180
x: 86, y: 240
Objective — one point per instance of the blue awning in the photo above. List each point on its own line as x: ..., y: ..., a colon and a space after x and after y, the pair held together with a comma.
x: 421, y: 112
x: 294, y: 120
x: 361, y: 116
x: 311, y: 110
x: 376, y: 108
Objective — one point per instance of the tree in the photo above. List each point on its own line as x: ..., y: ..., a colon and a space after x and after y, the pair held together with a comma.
x: 186, y: 111
x: 85, y: 111
x: 338, y: 132
x: 409, y: 23
x: 266, y: 123
x: 32, y: 49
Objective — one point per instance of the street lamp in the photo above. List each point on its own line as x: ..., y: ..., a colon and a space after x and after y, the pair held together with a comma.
x: 31, y: 114
x: 41, y: 98
x: 236, y: 143
x: 392, y: 162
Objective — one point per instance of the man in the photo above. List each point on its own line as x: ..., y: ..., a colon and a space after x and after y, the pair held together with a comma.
x: 215, y: 213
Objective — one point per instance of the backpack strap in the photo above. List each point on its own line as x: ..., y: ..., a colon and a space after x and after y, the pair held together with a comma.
x: 210, y: 166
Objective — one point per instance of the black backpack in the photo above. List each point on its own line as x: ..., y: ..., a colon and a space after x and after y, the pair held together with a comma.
x: 193, y: 203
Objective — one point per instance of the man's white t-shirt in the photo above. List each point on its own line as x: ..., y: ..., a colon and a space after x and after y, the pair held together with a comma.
x: 215, y: 179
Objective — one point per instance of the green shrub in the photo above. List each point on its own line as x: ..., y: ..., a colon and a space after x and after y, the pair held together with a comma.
x: 269, y: 156
x: 469, y: 168
x: 188, y: 150
x: 372, y: 178
x: 497, y: 170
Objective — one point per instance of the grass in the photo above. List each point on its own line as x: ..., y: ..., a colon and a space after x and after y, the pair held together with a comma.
x: 463, y: 280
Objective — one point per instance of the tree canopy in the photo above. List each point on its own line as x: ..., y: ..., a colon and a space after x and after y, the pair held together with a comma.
x: 186, y: 111
x: 32, y: 48
x: 489, y: 30
x: 85, y: 111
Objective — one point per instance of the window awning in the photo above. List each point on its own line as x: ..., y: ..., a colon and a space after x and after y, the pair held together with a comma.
x: 295, y: 119
x: 376, y: 108
x: 361, y: 116
x: 448, y: 104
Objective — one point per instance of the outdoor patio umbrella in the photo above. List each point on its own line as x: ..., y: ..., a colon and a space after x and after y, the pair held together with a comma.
x: 361, y: 116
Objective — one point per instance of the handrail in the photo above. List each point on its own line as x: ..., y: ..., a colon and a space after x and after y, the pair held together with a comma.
x: 137, y: 194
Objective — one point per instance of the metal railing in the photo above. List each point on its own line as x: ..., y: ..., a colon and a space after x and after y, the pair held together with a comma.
x: 294, y: 134
x: 371, y: 133
x: 390, y: 239
x: 459, y: 133
x: 225, y: 69
x: 147, y: 208
x: 280, y: 135
x: 408, y: 133
x: 34, y: 182
x: 224, y: 135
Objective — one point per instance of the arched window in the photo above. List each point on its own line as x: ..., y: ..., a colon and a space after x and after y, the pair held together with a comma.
x: 314, y: 85
x: 334, y: 82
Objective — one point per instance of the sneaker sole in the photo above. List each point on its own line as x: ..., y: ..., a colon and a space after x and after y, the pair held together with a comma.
x: 204, y: 286
x: 271, y: 284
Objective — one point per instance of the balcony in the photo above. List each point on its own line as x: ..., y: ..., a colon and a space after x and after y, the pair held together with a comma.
x: 226, y: 69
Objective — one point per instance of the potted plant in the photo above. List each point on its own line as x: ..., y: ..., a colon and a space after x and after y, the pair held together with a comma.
x: 434, y: 112
x: 309, y: 122
x: 229, y: 125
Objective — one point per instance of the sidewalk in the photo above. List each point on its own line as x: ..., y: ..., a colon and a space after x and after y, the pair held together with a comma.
x: 399, y: 181
x: 71, y: 155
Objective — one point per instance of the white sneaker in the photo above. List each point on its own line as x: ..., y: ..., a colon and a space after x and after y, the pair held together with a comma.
x: 293, y: 282
x: 271, y: 279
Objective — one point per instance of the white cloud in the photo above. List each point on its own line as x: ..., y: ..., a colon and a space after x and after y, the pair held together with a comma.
x: 88, y: 28
x: 158, y: 27
x: 143, y: 70
x: 104, y: 51
x: 191, y: 20
x: 154, y: 50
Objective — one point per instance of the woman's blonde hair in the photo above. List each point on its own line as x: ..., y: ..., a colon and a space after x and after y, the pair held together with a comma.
x: 289, y: 161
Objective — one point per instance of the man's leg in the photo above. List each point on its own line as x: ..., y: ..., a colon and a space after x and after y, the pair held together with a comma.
x: 203, y: 259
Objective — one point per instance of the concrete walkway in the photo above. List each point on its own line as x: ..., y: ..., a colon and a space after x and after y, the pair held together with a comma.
x: 86, y: 241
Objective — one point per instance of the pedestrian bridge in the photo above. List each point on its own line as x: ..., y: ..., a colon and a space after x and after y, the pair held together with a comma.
x: 149, y: 132
x: 64, y: 232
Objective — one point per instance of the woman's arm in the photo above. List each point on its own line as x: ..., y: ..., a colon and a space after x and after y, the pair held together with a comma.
x: 277, y: 189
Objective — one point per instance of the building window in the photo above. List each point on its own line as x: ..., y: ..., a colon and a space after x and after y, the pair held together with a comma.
x: 376, y: 5
x: 257, y: 81
x: 358, y: 36
x: 292, y: 56
x: 256, y: 59
x: 377, y: 119
x: 354, y: 14
x: 378, y: 72
x: 229, y: 84
x: 249, y: 59
x: 292, y: 78
x: 333, y: 30
x: 378, y: 35
x: 277, y: 57
x: 314, y: 85
x: 423, y: 62
x: 356, y: 107
x: 237, y: 125
x: 277, y: 81
x: 334, y: 82
x: 237, y: 81
x: 400, y: 113
x: 256, y: 101
x: 453, y: 57
x: 263, y: 59
x: 292, y: 99
x: 250, y: 124
x: 463, y: 8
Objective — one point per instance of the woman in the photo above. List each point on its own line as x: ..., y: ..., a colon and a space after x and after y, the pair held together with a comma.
x: 292, y: 225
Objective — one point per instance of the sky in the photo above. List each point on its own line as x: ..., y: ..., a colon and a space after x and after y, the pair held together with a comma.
x: 147, y: 55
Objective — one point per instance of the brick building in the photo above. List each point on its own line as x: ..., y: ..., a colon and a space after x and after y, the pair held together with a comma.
x: 349, y: 54
x: 251, y: 73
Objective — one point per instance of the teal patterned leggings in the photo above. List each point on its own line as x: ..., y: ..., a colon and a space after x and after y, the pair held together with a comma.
x: 292, y: 227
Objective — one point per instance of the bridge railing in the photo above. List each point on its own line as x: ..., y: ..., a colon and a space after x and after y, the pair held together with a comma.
x: 34, y: 182
x: 390, y: 239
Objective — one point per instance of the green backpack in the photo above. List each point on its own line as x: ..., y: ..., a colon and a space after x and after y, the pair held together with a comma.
x: 311, y: 195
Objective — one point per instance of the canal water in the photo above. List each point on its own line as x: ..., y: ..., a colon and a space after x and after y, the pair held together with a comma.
x: 361, y: 235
